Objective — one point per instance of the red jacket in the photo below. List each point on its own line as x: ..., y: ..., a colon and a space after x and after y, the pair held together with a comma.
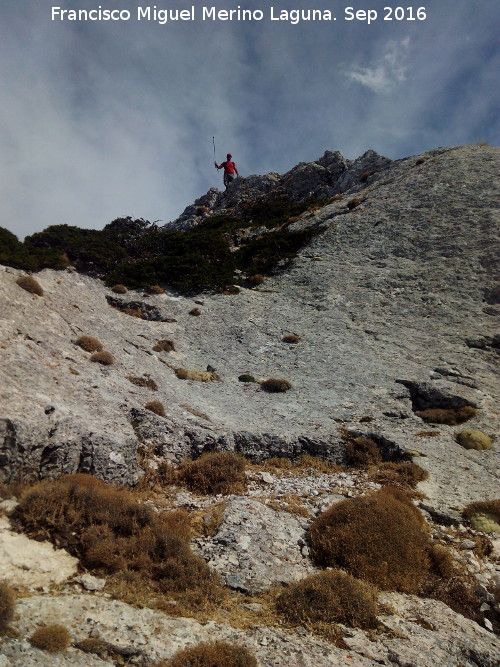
x: 229, y: 167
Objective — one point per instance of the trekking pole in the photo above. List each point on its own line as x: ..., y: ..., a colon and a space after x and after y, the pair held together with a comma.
x: 213, y: 141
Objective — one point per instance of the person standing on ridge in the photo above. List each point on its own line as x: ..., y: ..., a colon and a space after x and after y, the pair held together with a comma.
x: 230, y: 170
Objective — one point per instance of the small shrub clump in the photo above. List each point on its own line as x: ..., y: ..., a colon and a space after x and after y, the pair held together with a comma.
x: 164, y: 346
x: 473, y: 439
x: 290, y: 338
x: 119, y: 289
x: 255, y: 280
x: 195, y: 312
x: 246, y: 378
x: 52, y: 638
x: 196, y: 374
x: 155, y: 289
x: 143, y: 382
x: 484, y: 515
x: 7, y: 605
x: 352, y: 203
x: 103, y: 357
x: 362, y: 452
x: 30, y: 284
x: 214, y: 473
x: 380, y: 538
x: 275, y: 385
x: 89, y: 344
x: 214, y: 654
x: 157, y: 407
x: 329, y: 597
x: 450, y: 416
x: 405, y: 475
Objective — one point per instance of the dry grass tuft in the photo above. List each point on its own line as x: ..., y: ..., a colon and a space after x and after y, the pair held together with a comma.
x: 7, y: 606
x: 290, y: 338
x: 164, y: 346
x: 329, y: 597
x: 144, y: 553
x: 119, y: 289
x: 214, y: 654
x: 133, y: 312
x: 195, y: 312
x: 405, y: 475
x: 143, y: 382
x: 362, y: 452
x: 214, y: 473
x: 275, y: 385
x: 231, y: 289
x: 155, y: 289
x: 30, y: 284
x: 103, y: 357
x: 450, y: 416
x: 255, y: 280
x: 52, y: 638
x: 89, y: 344
x: 157, y: 407
x: 380, y: 538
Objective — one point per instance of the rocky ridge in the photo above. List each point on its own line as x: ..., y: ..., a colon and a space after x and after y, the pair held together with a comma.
x: 394, y: 303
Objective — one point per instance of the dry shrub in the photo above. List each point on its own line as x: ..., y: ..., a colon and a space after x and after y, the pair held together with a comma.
x: 103, y: 357
x: 231, y: 289
x: 89, y: 344
x: 214, y: 654
x: 7, y: 605
x: 256, y: 279
x: 196, y: 374
x: 366, y: 175
x: 329, y: 597
x: 109, y: 531
x: 143, y: 382
x: 30, y: 284
x: 335, y: 198
x: 119, y: 289
x: 420, y: 160
x: 427, y: 434
x: 290, y: 338
x: 275, y: 385
x: 51, y: 638
x: 157, y: 407
x: 195, y: 312
x: 405, y: 475
x: 155, y: 289
x: 352, y: 203
x: 213, y: 473
x: 380, y: 538
x: 362, y: 452
x: 450, y: 416
x: 164, y: 346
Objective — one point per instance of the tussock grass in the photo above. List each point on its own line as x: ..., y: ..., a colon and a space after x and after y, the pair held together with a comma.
x: 450, y: 416
x: 119, y: 289
x: 89, y: 344
x: 30, y: 284
x: 275, y: 385
x: 329, y: 597
x: 290, y: 338
x: 157, y: 407
x: 405, y: 475
x: 214, y: 654
x: 195, y: 312
x: 143, y: 382
x: 362, y: 452
x: 103, y: 357
x: 353, y: 203
x: 7, y: 606
x: 381, y: 538
x: 164, y: 345
x: 196, y: 374
x: 155, y: 289
x: 51, y: 638
x: 214, y: 473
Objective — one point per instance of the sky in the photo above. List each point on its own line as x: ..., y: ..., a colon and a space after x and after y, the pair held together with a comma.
x: 104, y: 119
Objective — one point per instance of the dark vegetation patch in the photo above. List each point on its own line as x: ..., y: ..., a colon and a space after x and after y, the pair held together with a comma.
x: 275, y: 385
x: 139, y: 309
x: 7, y: 606
x: 210, y: 474
x: 405, y: 475
x: 362, y: 452
x: 143, y: 382
x: 119, y: 289
x: 195, y: 312
x: 213, y: 654
x: 353, y: 203
x: 30, y: 284
x: 246, y: 378
x: 143, y: 552
x: 450, y: 416
x: 51, y: 638
x: 291, y: 339
x: 329, y: 597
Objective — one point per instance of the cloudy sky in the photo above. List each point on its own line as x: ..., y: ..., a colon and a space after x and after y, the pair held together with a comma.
x: 102, y: 119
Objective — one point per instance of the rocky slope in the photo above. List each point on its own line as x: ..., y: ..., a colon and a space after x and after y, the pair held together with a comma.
x: 395, y: 304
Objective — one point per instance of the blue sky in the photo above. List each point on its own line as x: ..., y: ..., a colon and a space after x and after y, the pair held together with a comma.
x: 115, y: 118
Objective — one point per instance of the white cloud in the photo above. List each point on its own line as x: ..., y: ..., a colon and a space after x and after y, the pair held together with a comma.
x: 388, y: 70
